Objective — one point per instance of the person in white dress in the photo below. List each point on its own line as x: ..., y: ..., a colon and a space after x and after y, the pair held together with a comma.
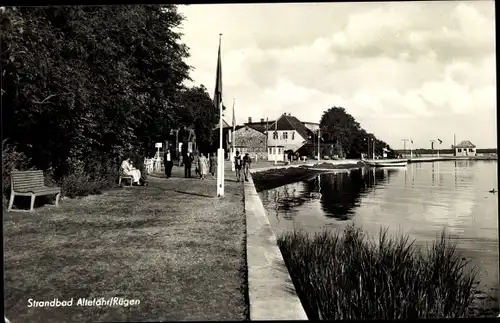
x: 129, y: 170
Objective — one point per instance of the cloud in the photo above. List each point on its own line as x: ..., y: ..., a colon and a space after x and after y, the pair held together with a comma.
x: 383, y: 62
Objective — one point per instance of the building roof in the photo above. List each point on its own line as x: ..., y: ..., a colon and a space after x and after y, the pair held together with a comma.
x: 251, y: 126
x: 288, y: 122
x: 465, y: 144
x: 259, y: 126
x: 224, y: 124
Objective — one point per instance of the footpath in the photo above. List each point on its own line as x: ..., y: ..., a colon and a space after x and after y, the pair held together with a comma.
x: 173, y: 246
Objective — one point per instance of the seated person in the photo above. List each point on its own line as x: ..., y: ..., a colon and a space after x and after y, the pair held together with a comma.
x: 128, y: 169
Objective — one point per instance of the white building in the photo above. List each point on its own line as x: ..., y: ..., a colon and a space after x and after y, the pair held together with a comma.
x: 286, y: 134
x: 465, y: 148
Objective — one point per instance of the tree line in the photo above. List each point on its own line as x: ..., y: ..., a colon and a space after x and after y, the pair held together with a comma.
x: 346, y: 136
x: 88, y: 84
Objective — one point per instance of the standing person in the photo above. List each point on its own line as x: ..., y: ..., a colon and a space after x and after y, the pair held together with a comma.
x: 196, y: 156
x: 202, y: 166
x: 246, y: 165
x: 188, y: 159
x: 213, y: 164
x: 237, y: 165
x: 168, y: 161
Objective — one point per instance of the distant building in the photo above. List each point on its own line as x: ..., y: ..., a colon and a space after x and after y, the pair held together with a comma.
x: 313, y: 126
x: 465, y: 148
x: 260, y: 126
x: 253, y: 141
x: 287, y: 135
x: 273, y: 139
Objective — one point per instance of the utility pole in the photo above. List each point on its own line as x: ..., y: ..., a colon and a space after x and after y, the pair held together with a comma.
x: 319, y: 144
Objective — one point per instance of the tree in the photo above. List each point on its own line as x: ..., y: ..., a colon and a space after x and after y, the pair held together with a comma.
x: 341, y: 130
x: 81, y: 80
x: 198, y: 109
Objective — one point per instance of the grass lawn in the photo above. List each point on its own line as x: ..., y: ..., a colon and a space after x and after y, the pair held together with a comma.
x: 173, y: 246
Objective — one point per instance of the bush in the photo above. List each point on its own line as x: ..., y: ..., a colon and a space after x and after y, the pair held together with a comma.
x: 346, y: 276
x: 89, y: 177
x: 11, y: 159
x: 83, y: 177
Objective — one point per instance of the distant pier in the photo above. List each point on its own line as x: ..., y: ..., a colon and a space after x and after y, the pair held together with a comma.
x: 449, y: 158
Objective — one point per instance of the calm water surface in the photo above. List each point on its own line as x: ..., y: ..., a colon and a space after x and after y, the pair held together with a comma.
x: 420, y: 200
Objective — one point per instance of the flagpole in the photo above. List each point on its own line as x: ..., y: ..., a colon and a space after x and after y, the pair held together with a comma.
x: 373, y: 148
x: 220, y: 173
x: 232, y: 146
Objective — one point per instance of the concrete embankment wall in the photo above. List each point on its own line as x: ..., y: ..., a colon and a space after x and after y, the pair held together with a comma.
x: 272, y: 295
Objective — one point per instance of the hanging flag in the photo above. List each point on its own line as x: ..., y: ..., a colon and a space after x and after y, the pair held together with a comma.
x: 440, y: 141
x: 218, y: 84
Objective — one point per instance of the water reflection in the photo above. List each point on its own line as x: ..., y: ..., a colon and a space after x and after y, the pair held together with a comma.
x: 341, y: 193
x: 420, y: 200
x: 338, y: 194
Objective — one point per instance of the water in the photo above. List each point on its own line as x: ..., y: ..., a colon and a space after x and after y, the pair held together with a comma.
x: 420, y: 200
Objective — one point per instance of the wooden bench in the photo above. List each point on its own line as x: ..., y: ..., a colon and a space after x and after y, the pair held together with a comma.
x: 123, y: 176
x: 30, y: 183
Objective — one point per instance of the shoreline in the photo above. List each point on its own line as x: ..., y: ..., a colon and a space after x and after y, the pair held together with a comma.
x: 272, y: 177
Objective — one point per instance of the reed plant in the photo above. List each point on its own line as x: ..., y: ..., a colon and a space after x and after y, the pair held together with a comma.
x: 346, y: 275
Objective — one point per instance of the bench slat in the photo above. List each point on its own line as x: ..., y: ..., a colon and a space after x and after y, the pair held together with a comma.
x: 26, y: 187
x: 27, y: 173
x: 36, y: 183
x: 26, y: 178
x: 36, y: 171
x: 23, y: 180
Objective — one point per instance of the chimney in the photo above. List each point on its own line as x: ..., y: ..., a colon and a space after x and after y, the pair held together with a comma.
x: 261, y: 120
x: 249, y: 119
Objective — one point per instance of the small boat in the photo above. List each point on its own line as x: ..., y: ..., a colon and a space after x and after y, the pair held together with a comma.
x: 386, y: 163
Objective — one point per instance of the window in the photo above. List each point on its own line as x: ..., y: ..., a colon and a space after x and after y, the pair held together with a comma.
x: 275, y: 135
x: 293, y: 135
x: 459, y: 150
x: 272, y: 151
x: 471, y: 150
x: 285, y: 135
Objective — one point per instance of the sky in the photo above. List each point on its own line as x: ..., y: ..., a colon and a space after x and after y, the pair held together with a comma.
x: 403, y: 70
